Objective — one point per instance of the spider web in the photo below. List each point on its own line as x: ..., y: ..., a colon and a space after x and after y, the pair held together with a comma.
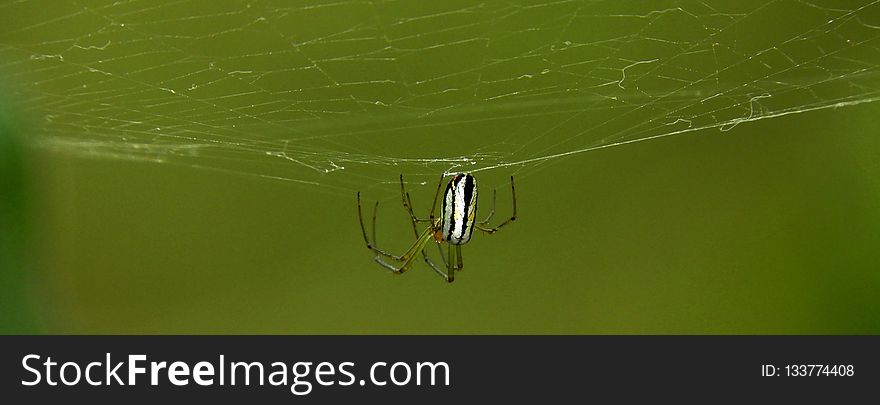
x: 344, y: 95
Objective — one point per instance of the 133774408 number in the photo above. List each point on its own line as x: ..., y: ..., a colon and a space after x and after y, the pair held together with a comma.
x: 808, y: 370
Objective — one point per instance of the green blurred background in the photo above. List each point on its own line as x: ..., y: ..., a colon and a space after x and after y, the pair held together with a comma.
x: 191, y: 167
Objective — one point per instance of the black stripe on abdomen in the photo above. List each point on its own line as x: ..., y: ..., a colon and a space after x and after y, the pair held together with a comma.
x: 468, y: 194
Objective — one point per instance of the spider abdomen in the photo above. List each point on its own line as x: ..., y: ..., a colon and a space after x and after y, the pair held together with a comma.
x: 459, y: 209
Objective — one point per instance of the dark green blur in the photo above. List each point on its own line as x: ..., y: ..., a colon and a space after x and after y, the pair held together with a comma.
x: 16, y: 276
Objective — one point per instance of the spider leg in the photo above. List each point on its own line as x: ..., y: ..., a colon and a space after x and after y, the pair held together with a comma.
x: 450, y: 271
x: 407, y: 203
x: 492, y: 212
x: 405, y: 258
x: 377, y: 249
x: 434, y: 206
x: 434, y: 267
x: 425, y: 254
x: 460, y: 263
x: 364, y: 231
x: 509, y: 220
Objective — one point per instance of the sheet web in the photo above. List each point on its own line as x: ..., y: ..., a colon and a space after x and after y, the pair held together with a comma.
x: 344, y: 95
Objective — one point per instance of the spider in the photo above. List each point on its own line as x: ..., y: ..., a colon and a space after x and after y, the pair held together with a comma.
x: 455, y: 225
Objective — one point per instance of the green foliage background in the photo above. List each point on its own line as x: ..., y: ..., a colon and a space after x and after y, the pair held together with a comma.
x: 153, y: 210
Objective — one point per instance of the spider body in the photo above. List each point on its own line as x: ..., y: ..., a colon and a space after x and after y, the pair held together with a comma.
x: 459, y: 209
x: 454, y: 227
